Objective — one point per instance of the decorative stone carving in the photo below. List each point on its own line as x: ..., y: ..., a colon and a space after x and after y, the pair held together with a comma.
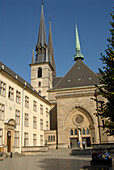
x: 78, y: 120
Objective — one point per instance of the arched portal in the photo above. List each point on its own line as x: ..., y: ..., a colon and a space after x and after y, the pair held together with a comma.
x: 80, y: 127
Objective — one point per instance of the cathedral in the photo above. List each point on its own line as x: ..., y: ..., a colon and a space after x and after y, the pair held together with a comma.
x: 51, y: 112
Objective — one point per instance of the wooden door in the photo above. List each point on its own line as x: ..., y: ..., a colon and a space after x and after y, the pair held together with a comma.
x: 9, y: 141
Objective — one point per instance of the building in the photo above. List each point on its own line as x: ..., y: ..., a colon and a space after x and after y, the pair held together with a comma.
x: 51, y: 111
x: 24, y: 115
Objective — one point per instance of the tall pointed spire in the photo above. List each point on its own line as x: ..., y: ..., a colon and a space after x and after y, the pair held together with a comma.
x: 50, y: 50
x: 41, y: 42
x: 78, y: 49
x: 32, y: 62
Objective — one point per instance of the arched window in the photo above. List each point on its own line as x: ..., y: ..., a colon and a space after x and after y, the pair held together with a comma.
x: 71, y: 132
x: 39, y: 84
x: 48, y: 138
x: 87, y: 131
x: 83, y: 131
x: 75, y: 132
x: 39, y: 72
x: 53, y: 137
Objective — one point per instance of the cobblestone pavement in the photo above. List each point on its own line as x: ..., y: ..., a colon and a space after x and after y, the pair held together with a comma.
x: 51, y: 160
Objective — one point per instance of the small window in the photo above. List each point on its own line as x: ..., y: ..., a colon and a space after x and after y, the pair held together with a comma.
x: 34, y: 105
x: 2, y: 88
x: 48, y: 138
x: 71, y: 132
x: 11, y: 93
x: 17, y: 117
x: 39, y: 84
x: 26, y: 101
x: 83, y: 131
x: 75, y: 132
x: 16, y: 139
x: 18, y: 97
x: 39, y: 72
x: 34, y: 140
x: 53, y: 137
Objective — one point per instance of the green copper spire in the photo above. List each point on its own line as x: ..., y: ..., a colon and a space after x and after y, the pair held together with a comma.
x: 78, y: 49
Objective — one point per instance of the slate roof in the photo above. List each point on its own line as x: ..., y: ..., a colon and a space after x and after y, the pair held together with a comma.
x: 56, y: 80
x: 19, y: 79
x: 42, y: 33
x: 50, y: 51
x: 79, y: 75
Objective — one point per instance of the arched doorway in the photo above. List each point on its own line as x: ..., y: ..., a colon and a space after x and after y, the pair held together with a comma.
x: 10, y: 125
x: 9, y: 141
x: 79, y: 126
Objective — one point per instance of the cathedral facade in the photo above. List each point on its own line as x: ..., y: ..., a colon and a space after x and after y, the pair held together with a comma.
x: 55, y: 112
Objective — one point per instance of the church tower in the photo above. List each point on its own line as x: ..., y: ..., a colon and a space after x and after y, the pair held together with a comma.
x: 43, y: 65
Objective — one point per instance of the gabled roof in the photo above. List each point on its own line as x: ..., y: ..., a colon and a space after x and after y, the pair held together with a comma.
x: 79, y: 75
x: 20, y: 80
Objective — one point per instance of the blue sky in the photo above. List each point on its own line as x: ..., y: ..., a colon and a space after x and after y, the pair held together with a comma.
x: 19, y: 25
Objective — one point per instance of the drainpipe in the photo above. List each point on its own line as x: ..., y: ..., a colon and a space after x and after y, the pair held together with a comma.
x: 22, y: 116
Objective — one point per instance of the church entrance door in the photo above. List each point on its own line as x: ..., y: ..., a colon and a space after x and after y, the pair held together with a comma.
x: 74, y: 142
x: 88, y: 142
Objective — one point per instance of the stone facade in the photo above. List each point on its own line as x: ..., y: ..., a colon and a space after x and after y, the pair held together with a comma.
x: 43, y: 83
x: 76, y: 120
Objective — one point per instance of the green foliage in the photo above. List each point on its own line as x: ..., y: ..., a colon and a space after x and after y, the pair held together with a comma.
x: 107, y: 82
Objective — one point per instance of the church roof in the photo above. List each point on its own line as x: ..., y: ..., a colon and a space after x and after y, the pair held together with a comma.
x: 79, y: 75
x: 56, y: 80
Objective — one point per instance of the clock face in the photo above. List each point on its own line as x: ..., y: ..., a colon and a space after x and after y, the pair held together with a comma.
x: 79, y: 119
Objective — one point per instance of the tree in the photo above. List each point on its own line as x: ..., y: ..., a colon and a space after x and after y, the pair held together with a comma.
x: 106, y: 89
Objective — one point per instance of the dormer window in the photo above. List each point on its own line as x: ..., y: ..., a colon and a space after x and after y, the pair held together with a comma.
x: 39, y: 72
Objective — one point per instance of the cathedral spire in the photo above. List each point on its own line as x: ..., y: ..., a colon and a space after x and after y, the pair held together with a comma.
x: 78, y: 49
x: 50, y: 49
x: 32, y: 62
x: 42, y: 32
x: 41, y: 42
